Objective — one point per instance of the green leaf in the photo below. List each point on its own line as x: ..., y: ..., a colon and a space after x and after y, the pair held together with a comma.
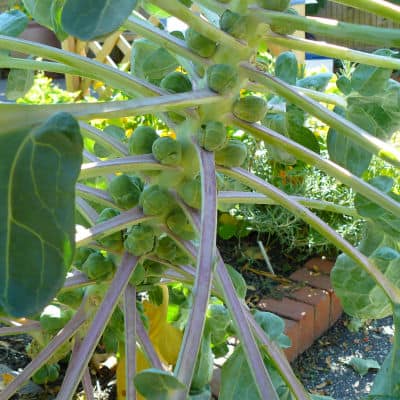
x: 38, y: 172
x: 156, y: 384
x: 369, y: 80
x: 55, y: 15
x: 273, y: 326
x: 19, y: 82
x: 238, y: 282
x: 40, y: 11
x: 286, y: 67
x: 344, y: 85
x: 305, y: 137
x: 13, y: 23
x: 345, y: 152
x: 362, y: 366
x: 95, y: 18
x: 316, y: 82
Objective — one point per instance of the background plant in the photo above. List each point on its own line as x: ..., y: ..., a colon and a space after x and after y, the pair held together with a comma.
x: 152, y: 220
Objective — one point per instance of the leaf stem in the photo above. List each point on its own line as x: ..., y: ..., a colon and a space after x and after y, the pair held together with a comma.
x: 385, y: 37
x: 320, y: 226
x: 308, y: 156
x: 378, y: 7
x: 333, y: 51
x: 189, y: 350
x: 227, y: 197
x: 350, y: 130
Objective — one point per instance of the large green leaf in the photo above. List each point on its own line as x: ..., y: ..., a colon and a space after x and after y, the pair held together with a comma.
x: 94, y: 18
x: 156, y: 384
x: 38, y: 171
x: 345, y: 152
x: 40, y: 11
x: 12, y: 23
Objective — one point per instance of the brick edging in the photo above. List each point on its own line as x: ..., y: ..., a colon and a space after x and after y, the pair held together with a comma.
x: 308, y: 311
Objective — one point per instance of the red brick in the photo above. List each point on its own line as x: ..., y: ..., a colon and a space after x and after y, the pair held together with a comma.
x: 315, y: 279
x: 292, y: 329
x: 321, y: 301
x: 319, y: 264
x: 296, y: 311
x: 336, y: 309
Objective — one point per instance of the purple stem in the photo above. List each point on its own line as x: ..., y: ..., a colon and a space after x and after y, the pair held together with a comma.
x: 278, y: 359
x: 87, y: 385
x: 202, y: 285
x: 146, y: 343
x: 69, y: 329
x: 253, y: 355
x: 79, y: 361
x: 17, y: 330
x: 130, y: 340
x: 77, y: 279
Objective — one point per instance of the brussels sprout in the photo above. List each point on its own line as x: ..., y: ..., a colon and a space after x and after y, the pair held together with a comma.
x: 116, y: 132
x: 222, y: 78
x: 53, y: 318
x: 212, y: 135
x: 181, y: 258
x: 200, y: 44
x: 170, y: 178
x: 46, y: 373
x: 232, y: 155
x: 142, y: 139
x: 167, y: 151
x: 158, y: 64
x: 154, y: 268
x: 113, y: 241
x: 166, y: 248
x: 125, y: 190
x: 156, y: 200
x: 250, y: 108
x: 138, y: 275
x: 139, y: 239
x: 190, y: 191
x: 234, y: 24
x: 176, y: 82
x: 178, y: 222
x: 81, y: 254
x: 274, y: 5
x: 98, y: 267
x: 218, y: 317
x: 141, y: 49
x: 286, y: 29
x: 178, y: 34
x: 71, y: 297
x: 204, y: 365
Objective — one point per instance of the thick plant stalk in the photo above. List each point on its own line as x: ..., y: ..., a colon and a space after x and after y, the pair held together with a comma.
x: 107, y: 141
x: 347, y: 128
x: 258, y: 198
x: 96, y: 195
x: 202, y: 26
x: 87, y: 385
x: 18, y: 330
x: 188, y: 353
x: 113, y: 109
x: 392, y: 291
x: 66, y: 333
x: 145, y: 162
x: 78, y: 363
x: 146, y: 343
x: 122, y: 221
x: 254, y: 358
x: 304, y: 154
x: 384, y: 37
x: 332, y: 51
x: 104, y: 73
x: 86, y: 210
x: 164, y: 39
x: 378, y: 7
x: 130, y: 340
x: 250, y: 348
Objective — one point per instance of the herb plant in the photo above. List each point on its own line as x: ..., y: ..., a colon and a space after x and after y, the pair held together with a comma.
x: 153, y: 220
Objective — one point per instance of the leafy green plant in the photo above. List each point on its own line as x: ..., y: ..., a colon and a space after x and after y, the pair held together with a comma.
x: 44, y: 182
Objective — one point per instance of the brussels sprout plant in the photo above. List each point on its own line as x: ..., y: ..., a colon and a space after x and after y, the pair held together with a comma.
x: 131, y: 262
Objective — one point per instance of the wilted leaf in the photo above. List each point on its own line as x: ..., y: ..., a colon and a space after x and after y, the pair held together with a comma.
x: 19, y: 82
x: 362, y: 366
